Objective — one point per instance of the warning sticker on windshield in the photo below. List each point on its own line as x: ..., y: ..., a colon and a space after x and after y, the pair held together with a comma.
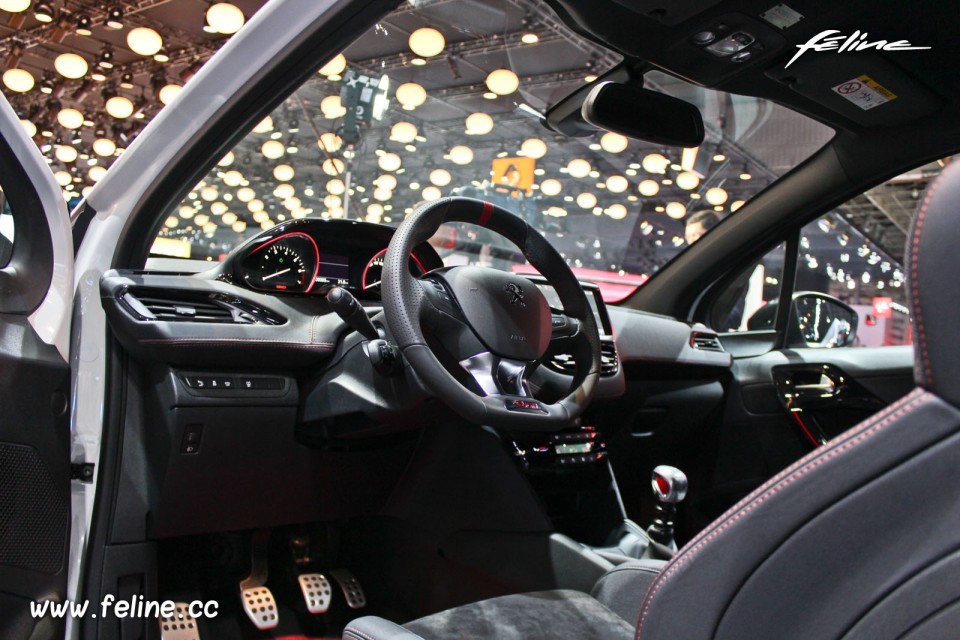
x: 865, y: 92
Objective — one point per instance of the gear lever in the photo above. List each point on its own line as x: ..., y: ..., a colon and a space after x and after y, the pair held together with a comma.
x: 669, y: 490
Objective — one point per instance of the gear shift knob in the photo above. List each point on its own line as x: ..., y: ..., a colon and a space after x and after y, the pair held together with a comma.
x: 669, y: 484
x: 669, y: 489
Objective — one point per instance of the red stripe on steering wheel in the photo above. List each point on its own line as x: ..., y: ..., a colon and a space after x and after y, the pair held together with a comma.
x: 486, y: 215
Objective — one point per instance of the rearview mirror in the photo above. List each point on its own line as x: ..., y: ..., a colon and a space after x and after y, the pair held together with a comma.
x: 643, y: 114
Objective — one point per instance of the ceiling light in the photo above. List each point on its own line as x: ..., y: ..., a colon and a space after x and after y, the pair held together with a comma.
x: 224, y: 17
x: 534, y: 148
x: 389, y: 162
x: 114, y: 19
x: 70, y: 65
x: 335, y: 67
x: 579, y: 168
x: 440, y: 177
x: 169, y: 92
x: 403, y: 132
x: 144, y: 41
x: 126, y: 80
x: 29, y: 127
x: 186, y: 211
x: 736, y: 204
x: 119, y: 107
x: 239, y: 226
x: 18, y: 80
x: 66, y: 153
x: 479, y: 124
x: 386, y: 181
x: 255, y: 205
x: 335, y: 186
x: 426, y: 42
x: 14, y: 6
x: 246, y: 194
x: 209, y: 194
x: 104, y: 147
x: 687, y: 180
x: 411, y: 95
x: 716, y: 196
x: 284, y: 191
x: 44, y: 12
x: 613, y: 142
x: 587, y: 200
x: 162, y: 55
x: 461, y: 155
x: 332, y: 108
x: 228, y: 217
x: 529, y: 38
x: 556, y: 212
x: 655, y: 163
x: 617, y: 184
x: 719, y: 157
x: 264, y: 125
x: 649, y: 188
x: 218, y: 209
x: 490, y: 95
x: 233, y: 178
x: 551, y: 187
x: 745, y: 174
x: 70, y: 118
x: 226, y: 160
x: 616, y: 211
x: 430, y: 194
x: 502, y: 82
x: 210, y: 228
x: 380, y: 194
x: 96, y: 173
x: 283, y: 172
x: 272, y: 149
x: 84, y: 25
x: 676, y: 210
x: 332, y: 166
x: 419, y: 62
x: 330, y: 142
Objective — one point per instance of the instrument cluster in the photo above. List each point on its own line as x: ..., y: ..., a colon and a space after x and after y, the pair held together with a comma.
x: 309, y: 256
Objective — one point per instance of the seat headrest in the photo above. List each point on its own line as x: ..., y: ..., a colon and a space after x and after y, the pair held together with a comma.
x: 933, y: 265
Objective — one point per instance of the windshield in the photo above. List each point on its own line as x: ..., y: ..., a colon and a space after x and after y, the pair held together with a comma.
x: 446, y: 100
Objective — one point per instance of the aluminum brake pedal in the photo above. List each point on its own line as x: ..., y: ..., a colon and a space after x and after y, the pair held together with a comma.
x: 317, y: 592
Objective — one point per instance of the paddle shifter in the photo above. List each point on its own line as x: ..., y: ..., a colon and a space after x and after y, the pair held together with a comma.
x: 669, y: 490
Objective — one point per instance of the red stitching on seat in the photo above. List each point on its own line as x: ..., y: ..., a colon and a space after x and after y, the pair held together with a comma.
x: 772, y: 487
x: 926, y: 369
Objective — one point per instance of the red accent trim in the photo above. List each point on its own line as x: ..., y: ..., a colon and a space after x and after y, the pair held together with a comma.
x: 316, y: 252
x: 803, y: 426
x: 363, y: 278
x: 486, y: 215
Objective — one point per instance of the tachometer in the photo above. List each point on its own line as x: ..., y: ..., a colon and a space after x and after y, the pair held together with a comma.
x: 373, y: 272
x: 286, y: 263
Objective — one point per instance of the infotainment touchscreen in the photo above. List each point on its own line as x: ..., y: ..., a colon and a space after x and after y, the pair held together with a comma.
x: 593, y: 298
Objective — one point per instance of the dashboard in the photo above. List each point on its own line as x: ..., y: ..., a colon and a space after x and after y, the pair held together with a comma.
x: 311, y: 256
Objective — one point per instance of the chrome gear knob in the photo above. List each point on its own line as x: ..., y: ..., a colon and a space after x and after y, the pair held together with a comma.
x: 669, y: 484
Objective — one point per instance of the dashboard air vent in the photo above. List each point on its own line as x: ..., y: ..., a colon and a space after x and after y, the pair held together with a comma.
x: 185, y: 306
x: 705, y: 342
x: 609, y: 362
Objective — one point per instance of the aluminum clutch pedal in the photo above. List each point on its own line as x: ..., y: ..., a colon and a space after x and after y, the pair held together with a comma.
x: 257, y: 599
x: 179, y: 626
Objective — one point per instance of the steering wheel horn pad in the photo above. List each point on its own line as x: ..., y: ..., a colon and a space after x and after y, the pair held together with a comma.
x: 507, y: 312
x: 489, y: 309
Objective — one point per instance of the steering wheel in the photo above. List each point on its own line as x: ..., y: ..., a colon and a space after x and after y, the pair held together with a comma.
x: 472, y: 334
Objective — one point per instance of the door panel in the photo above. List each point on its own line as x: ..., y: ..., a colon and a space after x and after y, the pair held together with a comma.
x: 35, y: 310
x: 761, y: 435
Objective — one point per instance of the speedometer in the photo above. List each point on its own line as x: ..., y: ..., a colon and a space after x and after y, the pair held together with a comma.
x: 286, y: 263
x: 373, y: 272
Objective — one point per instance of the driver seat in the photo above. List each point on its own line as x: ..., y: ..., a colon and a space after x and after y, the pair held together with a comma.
x: 858, y: 539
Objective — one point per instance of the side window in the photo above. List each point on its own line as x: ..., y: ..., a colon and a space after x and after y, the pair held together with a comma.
x: 6, y: 232
x: 749, y: 303
x: 837, y: 259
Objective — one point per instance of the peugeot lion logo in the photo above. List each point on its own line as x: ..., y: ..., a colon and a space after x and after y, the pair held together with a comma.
x: 516, y: 294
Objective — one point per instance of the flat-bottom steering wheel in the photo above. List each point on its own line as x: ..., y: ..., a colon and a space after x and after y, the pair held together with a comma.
x: 490, y: 328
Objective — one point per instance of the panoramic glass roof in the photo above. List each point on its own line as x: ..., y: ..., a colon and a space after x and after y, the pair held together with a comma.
x: 448, y: 96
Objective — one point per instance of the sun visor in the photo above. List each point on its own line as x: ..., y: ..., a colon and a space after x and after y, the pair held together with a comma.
x: 864, y: 87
